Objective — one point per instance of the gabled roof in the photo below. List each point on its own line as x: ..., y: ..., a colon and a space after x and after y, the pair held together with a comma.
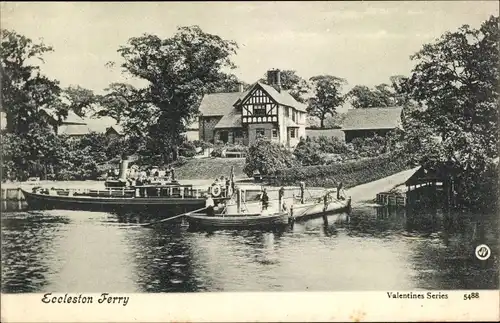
x: 73, y: 129
x: 372, y: 118
x: 101, y: 124
x: 230, y: 120
x: 219, y: 104
x: 424, y: 175
x: 282, y: 97
x: 116, y: 128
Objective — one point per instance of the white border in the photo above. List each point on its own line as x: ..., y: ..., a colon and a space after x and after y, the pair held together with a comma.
x: 253, y: 307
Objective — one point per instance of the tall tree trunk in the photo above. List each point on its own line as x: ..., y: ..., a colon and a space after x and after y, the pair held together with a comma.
x: 322, y: 120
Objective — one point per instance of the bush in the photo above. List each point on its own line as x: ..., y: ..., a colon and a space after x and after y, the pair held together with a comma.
x: 187, y: 149
x: 202, y: 144
x: 316, y: 151
x: 309, y: 152
x: 350, y: 173
x: 217, y: 152
x: 267, y: 157
x: 180, y: 161
x: 370, y: 146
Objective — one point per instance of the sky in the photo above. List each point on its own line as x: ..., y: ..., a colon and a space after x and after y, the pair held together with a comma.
x: 363, y: 42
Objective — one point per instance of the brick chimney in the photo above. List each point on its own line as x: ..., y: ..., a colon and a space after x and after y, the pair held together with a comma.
x: 240, y: 87
x: 274, y: 79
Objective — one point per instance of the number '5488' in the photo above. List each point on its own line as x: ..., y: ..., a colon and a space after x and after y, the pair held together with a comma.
x: 471, y: 296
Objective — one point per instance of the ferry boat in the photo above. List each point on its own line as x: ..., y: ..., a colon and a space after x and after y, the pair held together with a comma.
x: 116, y: 196
x: 233, y: 216
x: 242, y: 215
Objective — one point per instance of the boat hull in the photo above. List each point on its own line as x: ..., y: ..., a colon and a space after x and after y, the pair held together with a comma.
x: 44, y: 201
x: 312, y: 210
x: 200, y: 221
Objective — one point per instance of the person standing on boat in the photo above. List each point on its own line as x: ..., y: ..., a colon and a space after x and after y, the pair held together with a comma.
x: 228, y: 187
x: 340, y: 190
x: 281, y: 195
x: 172, y: 173
x: 209, y: 205
x: 264, y: 198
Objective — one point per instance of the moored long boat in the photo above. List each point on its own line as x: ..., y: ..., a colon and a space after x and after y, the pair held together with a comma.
x: 118, y: 199
x: 237, y: 221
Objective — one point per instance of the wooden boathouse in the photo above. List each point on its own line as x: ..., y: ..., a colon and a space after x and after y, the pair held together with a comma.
x: 431, y: 186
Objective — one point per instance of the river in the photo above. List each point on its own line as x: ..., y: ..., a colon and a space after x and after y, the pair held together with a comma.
x: 370, y: 249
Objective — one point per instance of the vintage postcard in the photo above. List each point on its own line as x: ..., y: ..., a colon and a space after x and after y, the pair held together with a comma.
x: 249, y: 161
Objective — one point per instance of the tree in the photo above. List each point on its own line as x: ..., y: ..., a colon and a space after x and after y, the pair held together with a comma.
x: 308, y: 152
x: 32, y: 153
x: 178, y: 71
x: 294, y: 84
x: 382, y: 95
x: 327, y: 96
x: 228, y: 83
x: 80, y: 100
x: 24, y: 89
x: 363, y: 97
x: 267, y: 157
x: 456, y: 80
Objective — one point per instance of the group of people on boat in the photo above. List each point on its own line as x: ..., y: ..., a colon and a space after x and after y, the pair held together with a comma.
x: 135, y: 176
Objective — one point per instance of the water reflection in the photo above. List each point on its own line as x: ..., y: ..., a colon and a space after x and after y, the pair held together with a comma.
x: 27, y: 244
x: 369, y: 249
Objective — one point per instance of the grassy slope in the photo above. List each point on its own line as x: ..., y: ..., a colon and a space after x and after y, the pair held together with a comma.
x: 209, y: 168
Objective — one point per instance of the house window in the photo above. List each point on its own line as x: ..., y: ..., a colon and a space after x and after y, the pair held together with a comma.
x: 294, y: 115
x: 287, y: 112
x: 238, y: 133
x: 259, y: 110
x: 292, y: 132
x: 260, y: 132
x: 275, y: 133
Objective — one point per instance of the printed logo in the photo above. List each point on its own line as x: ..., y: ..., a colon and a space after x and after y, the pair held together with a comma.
x: 483, y: 252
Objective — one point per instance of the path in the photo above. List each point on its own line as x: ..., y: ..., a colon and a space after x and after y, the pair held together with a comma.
x: 367, y: 192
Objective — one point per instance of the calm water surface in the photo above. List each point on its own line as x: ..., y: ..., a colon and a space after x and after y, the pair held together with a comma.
x: 371, y: 249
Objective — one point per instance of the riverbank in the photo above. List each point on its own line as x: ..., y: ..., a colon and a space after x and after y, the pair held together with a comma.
x: 360, y: 194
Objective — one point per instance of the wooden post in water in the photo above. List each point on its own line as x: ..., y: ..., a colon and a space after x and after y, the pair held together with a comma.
x: 238, y: 200
x: 291, y: 218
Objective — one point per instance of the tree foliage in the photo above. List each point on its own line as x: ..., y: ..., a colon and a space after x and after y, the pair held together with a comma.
x: 293, y: 83
x: 24, y: 88
x: 456, y: 81
x: 178, y: 71
x: 267, y: 157
x: 80, y: 100
x: 327, y: 96
x: 308, y: 152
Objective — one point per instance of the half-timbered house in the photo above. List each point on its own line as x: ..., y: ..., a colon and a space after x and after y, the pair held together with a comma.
x: 263, y: 110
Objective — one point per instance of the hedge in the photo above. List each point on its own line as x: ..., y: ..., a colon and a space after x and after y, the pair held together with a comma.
x: 349, y: 173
